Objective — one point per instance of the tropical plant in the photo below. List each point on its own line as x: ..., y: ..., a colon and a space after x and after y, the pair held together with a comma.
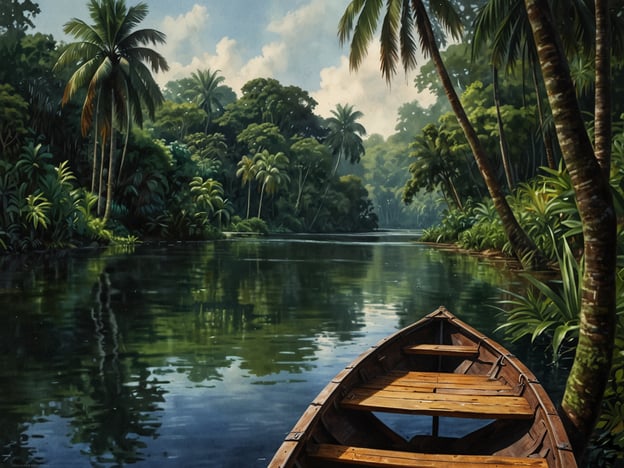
x: 247, y: 172
x: 113, y: 64
x: 207, y: 196
x: 453, y: 223
x: 270, y: 173
x: 487, y: 231
x: 345, y: 135
x: 41, y: 208
x: 208, y: 93
x: 548, y: 309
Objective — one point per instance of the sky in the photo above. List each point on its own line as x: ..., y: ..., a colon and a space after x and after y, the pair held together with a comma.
x: 293, y: 41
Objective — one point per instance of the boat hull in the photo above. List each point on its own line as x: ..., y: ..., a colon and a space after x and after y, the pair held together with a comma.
x: 438, y: 371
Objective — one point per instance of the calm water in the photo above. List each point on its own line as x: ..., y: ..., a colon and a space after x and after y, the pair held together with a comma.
x: 206, y: 354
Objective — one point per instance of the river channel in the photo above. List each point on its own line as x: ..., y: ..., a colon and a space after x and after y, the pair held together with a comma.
x: 205, y: 354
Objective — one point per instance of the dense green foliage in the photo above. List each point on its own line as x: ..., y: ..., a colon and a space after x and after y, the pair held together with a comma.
x: 204, y: 161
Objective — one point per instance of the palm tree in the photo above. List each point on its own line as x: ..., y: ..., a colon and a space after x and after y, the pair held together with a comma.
x: 207, y: 92
x: 344, y: 141
x: 207, y: 195
x: 270, y: 173
x: 345, y: 135
x: 398, y: 41
x: 247, y: 172
x: 434, y: 166
x: 113, y: 63
x: 590, y: 370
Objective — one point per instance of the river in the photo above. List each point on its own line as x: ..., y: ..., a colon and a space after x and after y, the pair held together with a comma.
x: 205, y: 354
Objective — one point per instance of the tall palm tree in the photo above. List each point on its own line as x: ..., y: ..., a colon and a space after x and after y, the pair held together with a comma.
x: 207, y: 92
x: 345, y: 135
x: 344, y: 141
x: 403, y: 19
x: 113, y: 61
x: 247, y: 172
x: 270, y: 173
x: 590, y: 370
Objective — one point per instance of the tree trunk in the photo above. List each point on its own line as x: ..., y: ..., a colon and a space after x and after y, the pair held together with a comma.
x: 125, y: 146
x: 504, y: 149
x: 261, y: 196
x: 590, y: 370
x: 523, y: 247
x: 546, y: 135
x: 95, y: 141
x: 101, y: 175
x: 248, y: 198
x: 111, y: 165
x: 450, y: 187
x: 95, y: 163
x: 602, y: 113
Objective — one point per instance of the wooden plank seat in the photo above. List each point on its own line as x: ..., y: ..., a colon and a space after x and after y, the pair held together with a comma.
x: 442, y: 350
x: 440, y: 382
x: 391, y: 458
x: 439, y: 394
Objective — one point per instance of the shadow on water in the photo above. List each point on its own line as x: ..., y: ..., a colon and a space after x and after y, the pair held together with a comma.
x: 170, y: 355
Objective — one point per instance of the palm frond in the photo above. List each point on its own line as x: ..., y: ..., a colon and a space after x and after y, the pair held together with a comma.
x: 363, y: 32
x: 409, y: 46
x: 446, y: 14
x: 389, y: 41
x: 345, y: 25
x: 142, y: 37
x: 144, y: 54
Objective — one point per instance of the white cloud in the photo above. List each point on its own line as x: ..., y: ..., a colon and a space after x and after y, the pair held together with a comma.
x: 296, y: 23
x: 183, y: 30
x: 272, y: 61
x: 367, y: 91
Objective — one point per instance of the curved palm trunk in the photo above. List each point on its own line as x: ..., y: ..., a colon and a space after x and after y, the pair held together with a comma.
x: 602, y: 113
x: 590, y: 370
x: 523, y: 247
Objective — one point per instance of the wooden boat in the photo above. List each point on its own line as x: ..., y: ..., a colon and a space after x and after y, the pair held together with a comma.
x: 441, y: 374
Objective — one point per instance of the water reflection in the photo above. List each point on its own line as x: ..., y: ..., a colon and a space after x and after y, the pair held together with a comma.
x: 176, y: 354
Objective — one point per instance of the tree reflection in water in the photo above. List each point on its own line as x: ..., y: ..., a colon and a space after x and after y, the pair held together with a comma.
x: 185, y: 352
x: 116, y: 407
